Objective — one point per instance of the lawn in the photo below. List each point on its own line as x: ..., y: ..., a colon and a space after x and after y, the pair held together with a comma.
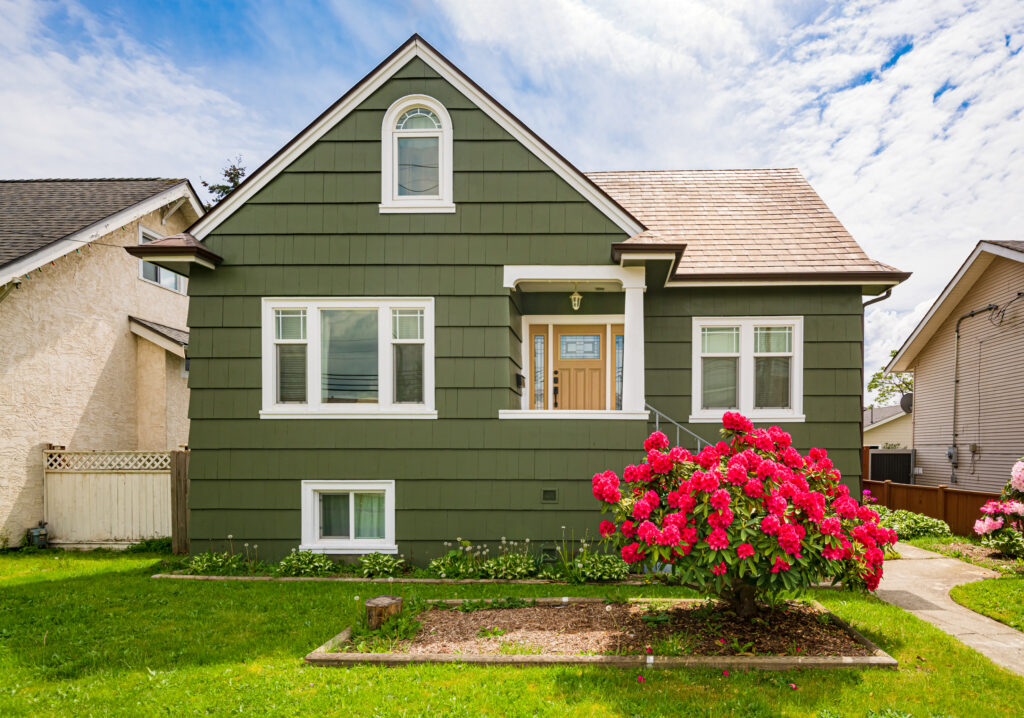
x: 94, y: 635
x: 998, y: 598
x: 969, y: 549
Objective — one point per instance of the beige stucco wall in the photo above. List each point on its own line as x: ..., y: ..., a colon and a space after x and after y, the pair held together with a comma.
x: 990, y: 399
x: 68, y: 363
x: 899, y: 431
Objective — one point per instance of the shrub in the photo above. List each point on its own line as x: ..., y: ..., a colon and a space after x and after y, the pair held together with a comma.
x: 1002, y: 526
x: 463, y: 560
x: 602, y: 567
x: 380, y: 565
x: 747, y: 518
x: 153, y: 545
x: 909, y: 525
x: 305, y: 563
x: 212, y: 563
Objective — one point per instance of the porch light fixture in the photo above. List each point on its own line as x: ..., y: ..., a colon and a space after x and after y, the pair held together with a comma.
x: 575, y: 298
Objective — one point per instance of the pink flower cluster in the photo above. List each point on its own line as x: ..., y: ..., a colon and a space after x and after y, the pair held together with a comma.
x: 987, y: 525
x: 1004, y: 516
x: 679, y: 508
x: 1017, y: 476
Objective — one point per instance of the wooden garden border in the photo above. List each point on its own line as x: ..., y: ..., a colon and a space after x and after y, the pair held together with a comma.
x: 327, y: 655
x: 456, y: 581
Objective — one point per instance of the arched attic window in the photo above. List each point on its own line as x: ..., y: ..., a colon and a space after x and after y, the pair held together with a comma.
x: 416, y: 157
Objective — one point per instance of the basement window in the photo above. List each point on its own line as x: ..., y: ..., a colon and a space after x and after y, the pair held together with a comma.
x: 348, y: 517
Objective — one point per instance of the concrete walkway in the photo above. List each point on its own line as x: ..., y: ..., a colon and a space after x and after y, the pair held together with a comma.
x: 920, y: 582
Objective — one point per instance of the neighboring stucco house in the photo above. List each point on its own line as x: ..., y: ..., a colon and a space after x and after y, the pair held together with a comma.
x: 91, y: 341
x: 418, y: 321
x: 967, y: 355
x: 888, y: 427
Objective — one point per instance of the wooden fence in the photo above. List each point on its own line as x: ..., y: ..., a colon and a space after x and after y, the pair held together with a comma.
x: 115, y: 498
x: 957, y: 507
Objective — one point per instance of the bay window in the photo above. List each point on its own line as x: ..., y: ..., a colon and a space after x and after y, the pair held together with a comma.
x: 753, y: 365
x: 348, y: 357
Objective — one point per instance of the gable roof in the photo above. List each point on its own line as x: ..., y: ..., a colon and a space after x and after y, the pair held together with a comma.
x: 875, y: 415
x: 766, y: 225
x: 965, y: 278
x: 416, y: 47
x: 42, y: 219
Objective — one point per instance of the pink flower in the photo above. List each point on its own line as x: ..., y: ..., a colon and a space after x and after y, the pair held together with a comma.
x: 641, y: 680
x: 606, y: 528
x: 641, y: 510
x: 720, y: 499
x: 793, y: 686
x: 1017, y: 476
x: 648, y: 649
x: 734, y: 421
x: 719, y: 569
x: 657, y: 440
x: 789, y: 538
x: 779, y: 565
x: 725, y: 673
x: 744, y: 550
x: 647, y: 532
x: 628, y: 529
x: 754, y: 489
x: 718, y: 539
x: 776, y: 505
x: 987, y: 525
x: 770, y: 525
x: 660, y: 463
x: 830, y: 526
x: 606, y: 487
x: 631, y: 553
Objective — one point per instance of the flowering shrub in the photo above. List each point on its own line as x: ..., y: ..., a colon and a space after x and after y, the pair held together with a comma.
x: 748, y: 517
x: 1002, y: 526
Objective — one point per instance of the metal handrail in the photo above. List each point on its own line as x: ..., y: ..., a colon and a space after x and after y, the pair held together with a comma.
x: 659, y: 417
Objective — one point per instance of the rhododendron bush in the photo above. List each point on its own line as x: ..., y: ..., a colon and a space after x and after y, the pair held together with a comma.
x: 1002, y: 523
x: 744, y: 519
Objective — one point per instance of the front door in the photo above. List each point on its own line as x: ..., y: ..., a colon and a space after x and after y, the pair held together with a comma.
x: 579, y: 381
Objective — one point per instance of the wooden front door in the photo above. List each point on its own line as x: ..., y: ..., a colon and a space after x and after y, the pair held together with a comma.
x: 578, y: 369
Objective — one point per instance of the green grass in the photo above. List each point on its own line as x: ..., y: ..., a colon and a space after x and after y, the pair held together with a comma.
x: 94, y: 635
x: 945, y: 546
x: 998, y: 598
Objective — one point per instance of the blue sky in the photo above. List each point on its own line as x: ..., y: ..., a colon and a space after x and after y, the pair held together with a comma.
x: 906, y: 115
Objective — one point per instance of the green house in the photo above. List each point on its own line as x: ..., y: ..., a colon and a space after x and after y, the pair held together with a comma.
x: 417, y: 321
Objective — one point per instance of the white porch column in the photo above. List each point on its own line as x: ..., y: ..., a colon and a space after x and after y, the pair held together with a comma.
x: 633, y: 356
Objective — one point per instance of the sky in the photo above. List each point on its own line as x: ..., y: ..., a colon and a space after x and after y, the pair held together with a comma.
x: 906, y: 116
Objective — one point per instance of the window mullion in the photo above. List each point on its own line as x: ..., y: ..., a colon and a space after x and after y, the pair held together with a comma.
x: 314, y: 356
x: 385, y: 358
x: 746, y: 378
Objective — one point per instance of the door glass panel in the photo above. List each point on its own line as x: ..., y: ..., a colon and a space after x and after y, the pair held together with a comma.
x: 418, y: 166
x: 539, y: 380
x: 771, y: 382
x: 720, y: 340
x: 409, y: 373
x: 580, y: 346
x: 773, y: 340
x: 369, y: 512
x: 348, y: 339
x: 334, y: 518
x: 719, y: 382
x: 618, y: 371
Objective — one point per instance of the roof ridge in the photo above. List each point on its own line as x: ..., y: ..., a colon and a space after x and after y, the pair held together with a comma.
x: 97, y: 179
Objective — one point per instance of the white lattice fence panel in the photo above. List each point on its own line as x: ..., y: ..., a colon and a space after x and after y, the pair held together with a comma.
x: 114, y: 461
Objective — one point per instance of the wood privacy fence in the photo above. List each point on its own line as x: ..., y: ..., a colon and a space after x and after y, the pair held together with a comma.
x: 115, y: 498
x: 957, y: 507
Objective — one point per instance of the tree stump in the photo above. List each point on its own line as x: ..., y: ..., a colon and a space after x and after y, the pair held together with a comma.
x: 382, y: 608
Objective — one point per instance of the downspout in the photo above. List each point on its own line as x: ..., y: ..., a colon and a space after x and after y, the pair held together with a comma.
x: 951, y: 454
x: 879, y: 298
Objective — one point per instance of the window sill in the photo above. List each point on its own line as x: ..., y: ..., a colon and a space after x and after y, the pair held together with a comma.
x: 417, y: 208
x: 292, y: 414
x: 348, y: 550
x: 761, y: 418
x: 572, y: 415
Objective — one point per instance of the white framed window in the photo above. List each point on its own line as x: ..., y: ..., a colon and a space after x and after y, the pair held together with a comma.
x: 416, y: 157
x: 158, y: 275
x: 753, y: 365
x: 341, y: 358
x: 348, y: 517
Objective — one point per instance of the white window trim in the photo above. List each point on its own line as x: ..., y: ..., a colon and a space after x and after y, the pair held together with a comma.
x: 746, y: 370
x: 607, y: 320
x: 385, y: 408
x: 390, y: 201
x: 310, y: 503
x: 148, y: 235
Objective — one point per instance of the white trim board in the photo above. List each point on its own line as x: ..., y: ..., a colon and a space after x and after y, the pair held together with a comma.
x: 416, y: 48
x: 82, y: 237
x: 965, y: 278
x: 628, y: 277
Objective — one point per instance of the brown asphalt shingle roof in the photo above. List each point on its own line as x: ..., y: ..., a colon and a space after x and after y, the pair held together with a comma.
x: 36, y: 213
x: 875, y: 414
x: 178, y: 336
x: 745, y: 222
x: 1009, y: 244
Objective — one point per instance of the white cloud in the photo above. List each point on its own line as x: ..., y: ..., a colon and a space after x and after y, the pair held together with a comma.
x: 107, y: 105
x: 917, y: 180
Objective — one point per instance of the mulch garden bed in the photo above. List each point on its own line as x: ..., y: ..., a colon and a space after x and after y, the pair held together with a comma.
x: 983, y: 555
x: 665, y: 632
